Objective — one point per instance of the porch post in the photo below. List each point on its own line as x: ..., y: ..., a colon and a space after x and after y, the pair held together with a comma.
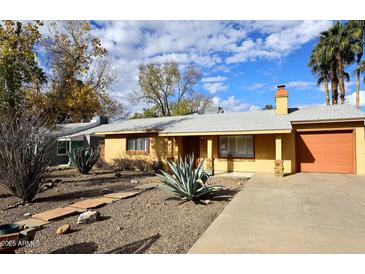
x: 170, y: 149
x: 210, y: 160
x: 279, y: 167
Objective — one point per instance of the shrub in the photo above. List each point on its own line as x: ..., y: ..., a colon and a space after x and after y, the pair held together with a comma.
x: 186, y: 181
x: 83, y: 159
x: 157, y: 166
x: 122, y: 164
x: 26, y: 151
x: 100, y: 163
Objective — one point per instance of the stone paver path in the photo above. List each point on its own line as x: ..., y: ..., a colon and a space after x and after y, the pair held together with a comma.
x: 31, y: 222
x: 123, y: 195
x: 89, y: 203
x: 37, y: 221
x: 56, y: 213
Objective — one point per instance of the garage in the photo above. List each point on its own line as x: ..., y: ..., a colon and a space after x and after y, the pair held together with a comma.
x: 326, y: 151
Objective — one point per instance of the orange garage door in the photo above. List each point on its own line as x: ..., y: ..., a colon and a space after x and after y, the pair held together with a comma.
x: 330, y: 151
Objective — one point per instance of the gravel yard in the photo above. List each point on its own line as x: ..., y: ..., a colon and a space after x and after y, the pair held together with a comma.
x: 152, y: 222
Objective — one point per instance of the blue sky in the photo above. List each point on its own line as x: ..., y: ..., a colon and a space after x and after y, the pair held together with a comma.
x: 241, y: 61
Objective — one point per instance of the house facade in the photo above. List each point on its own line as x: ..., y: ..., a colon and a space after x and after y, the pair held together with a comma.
x: 75, y: 135
x: 283, y: 140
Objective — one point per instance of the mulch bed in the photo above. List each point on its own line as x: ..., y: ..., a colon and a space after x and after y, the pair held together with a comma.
x: 151, y: 222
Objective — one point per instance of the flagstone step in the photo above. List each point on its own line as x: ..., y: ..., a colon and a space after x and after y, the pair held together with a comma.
x: 31, y: 222
x: 123, y: 195
x: 56, y: 213
x: 90, y: 203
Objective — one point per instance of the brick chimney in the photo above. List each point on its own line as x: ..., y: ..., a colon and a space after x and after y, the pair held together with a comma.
x: 281, y: 100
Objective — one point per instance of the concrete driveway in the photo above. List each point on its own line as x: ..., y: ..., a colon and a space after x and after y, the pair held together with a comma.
x: 301, y: 213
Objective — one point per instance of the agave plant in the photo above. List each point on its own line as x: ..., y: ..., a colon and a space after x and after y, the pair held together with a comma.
x: 83, y: 159
x: 187, y: 181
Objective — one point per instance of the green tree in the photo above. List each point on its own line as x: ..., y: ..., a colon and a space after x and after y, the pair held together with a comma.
x: 81, y: 72
x: 268, y: 107
x: 356, y: 29
x: 338, y: 51
x: 19, y: 69
x: 320, y: 68
x: 170, y: 90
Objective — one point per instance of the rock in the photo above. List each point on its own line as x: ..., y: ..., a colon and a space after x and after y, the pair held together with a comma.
x: 27, y: 214
x: 105, y: 190
x: 50, y: 184
x: 134, y: 181
x: 63, y: 229
x: 207, y: 202
x: 117, y: 174
x: 88, y: 216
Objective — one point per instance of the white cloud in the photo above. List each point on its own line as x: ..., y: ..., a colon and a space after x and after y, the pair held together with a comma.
x: 256, y: 86
x: 214, y: 45
x: 303, y: 85
x: 231, y: 104
x: 213, y: 79
x: 215, y: 87
x: 283, y: 40
x: 351, y: 99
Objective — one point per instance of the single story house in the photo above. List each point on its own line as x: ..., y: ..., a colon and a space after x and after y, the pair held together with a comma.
x: 285, y: 140
x: 75, y: 135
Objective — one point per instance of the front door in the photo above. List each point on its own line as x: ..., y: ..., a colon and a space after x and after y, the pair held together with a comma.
x: 192, y: 146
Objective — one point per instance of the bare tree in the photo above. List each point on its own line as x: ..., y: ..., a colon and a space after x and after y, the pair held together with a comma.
x: 171, y: 91
x: 27, y: 148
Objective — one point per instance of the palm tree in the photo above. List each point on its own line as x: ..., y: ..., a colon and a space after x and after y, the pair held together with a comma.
x: 320, y: 68
x: 338, y: 51
x: 327, y: 57
x: 356, y: 29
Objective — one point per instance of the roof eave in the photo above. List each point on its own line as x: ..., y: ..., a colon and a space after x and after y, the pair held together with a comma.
x: 209, y: 133
x: 328, y: 121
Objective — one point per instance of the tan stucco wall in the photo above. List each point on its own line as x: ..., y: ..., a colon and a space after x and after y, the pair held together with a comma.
x: 359, y: 139
x: 264, y: 155
x: 161, y: 148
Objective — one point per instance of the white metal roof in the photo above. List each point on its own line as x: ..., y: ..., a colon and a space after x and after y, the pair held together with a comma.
x: 234, y: 121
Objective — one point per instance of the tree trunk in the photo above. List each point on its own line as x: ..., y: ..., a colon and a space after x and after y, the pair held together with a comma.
x: 340, y: 77
x: 326, y: 91
x: 358, y: 83
x: 334, y: 83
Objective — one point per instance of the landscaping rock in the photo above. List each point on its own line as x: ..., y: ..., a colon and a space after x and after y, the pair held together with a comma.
x: 133, y: 181
x: 207, y: 202
x: 27, y: 214
x: 63, y: 229
x: 88, y: 216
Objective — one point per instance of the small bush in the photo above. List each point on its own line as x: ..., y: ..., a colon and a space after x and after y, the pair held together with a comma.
x: 187, y: 181
x: 100, y: 163
x: 26, y: 150
x: 122, y: 164
x: 157, y: 166
x: 83, y: 159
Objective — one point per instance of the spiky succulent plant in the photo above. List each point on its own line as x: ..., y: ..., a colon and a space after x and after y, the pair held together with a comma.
x: 83, y: 159
x: 187, y: 181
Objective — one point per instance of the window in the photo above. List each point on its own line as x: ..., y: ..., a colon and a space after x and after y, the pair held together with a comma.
x: 236, y: 146
x: 63, y: 147
x: 137, y: 144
